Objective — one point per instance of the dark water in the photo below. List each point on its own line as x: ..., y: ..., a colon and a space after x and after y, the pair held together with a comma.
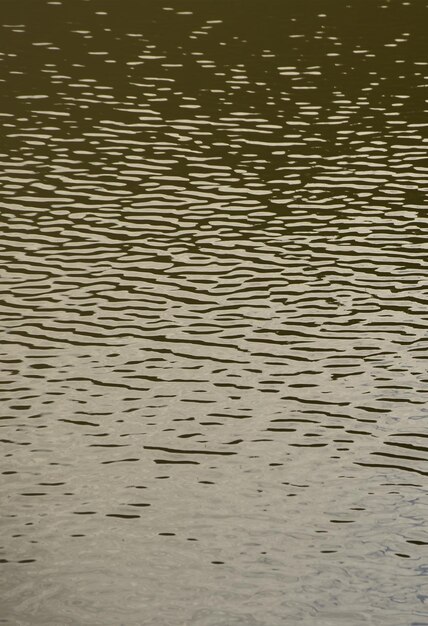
x: 214, y: 286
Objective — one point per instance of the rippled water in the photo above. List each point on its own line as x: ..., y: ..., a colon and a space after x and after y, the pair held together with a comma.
x: 214, y: 286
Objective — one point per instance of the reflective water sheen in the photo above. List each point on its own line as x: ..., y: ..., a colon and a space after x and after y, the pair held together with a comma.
x: 214, y: 286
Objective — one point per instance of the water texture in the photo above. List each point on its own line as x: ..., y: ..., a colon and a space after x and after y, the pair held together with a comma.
x: 214, y: 320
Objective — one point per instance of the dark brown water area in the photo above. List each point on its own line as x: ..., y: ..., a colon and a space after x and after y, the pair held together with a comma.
x: 214, y: 277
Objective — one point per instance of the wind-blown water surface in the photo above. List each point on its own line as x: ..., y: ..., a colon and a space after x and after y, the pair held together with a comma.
x: 214, y: 286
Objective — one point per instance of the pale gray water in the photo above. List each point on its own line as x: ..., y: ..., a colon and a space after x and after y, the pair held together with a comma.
x: 214, y: 287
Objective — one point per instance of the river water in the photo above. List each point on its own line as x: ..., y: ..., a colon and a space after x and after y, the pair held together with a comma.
x: 214, y: 286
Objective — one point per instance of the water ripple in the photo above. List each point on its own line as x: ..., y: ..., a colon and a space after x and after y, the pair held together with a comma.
x: 212, y: 255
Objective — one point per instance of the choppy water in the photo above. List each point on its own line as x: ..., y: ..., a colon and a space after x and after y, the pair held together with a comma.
x: 214, y: 286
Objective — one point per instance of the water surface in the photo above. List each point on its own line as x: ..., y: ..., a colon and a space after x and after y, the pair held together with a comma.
x: 214, y: 286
